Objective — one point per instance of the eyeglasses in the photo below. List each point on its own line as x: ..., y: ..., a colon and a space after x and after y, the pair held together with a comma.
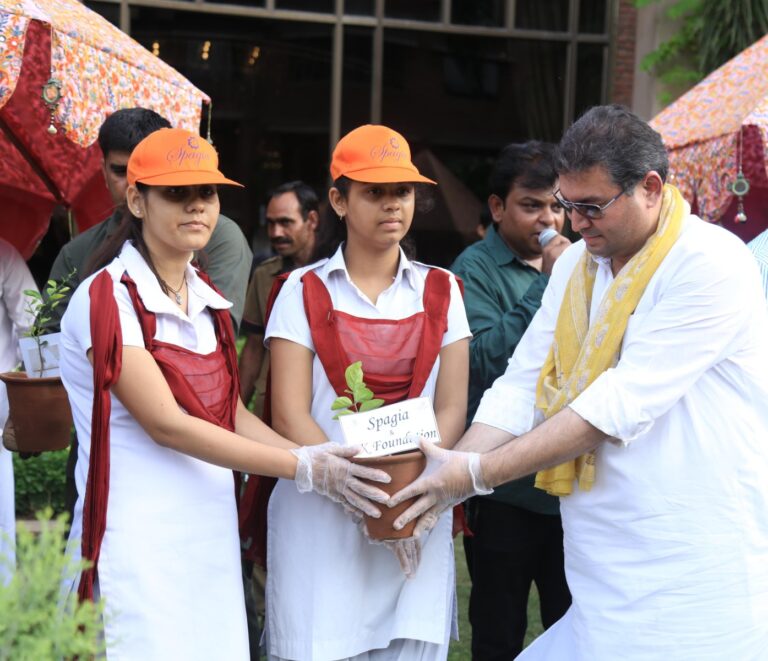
x: 590, y: 211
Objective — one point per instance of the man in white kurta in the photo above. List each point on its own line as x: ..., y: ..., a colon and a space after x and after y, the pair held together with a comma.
x: 14, y: 320
x: 667, y: 554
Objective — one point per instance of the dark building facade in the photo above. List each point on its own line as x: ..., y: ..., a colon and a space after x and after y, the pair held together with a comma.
x: 460, y: 77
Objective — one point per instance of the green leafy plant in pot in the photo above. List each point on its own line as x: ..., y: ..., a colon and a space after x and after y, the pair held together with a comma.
x: 40, y: 418
x: 402, y: 467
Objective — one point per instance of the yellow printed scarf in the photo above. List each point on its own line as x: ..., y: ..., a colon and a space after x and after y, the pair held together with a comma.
x: 580, y: 352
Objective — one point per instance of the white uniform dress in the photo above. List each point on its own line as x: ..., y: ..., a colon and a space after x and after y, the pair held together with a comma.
x: 667, y: 556
x: 331, y: 594
x: 169, y: 569
x: 14, y: 318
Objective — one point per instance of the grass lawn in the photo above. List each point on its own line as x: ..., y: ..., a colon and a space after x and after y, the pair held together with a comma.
x: 460, y: 650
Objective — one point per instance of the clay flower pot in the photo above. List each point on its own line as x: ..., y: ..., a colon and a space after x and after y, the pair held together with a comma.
x: 40, y: 412
x: 404, y: 468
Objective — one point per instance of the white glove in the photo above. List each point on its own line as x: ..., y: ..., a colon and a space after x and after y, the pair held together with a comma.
x: 326, y: 470
x: 449, y: 478
x: 407, y: 550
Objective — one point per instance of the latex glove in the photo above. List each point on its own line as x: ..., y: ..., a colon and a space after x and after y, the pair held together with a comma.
x: 326, y: 469
x: 406, y: 550
x: 449, y: 478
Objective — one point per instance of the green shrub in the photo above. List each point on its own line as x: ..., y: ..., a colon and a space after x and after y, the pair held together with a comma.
x: 35, y: 621
x: 40, y: 482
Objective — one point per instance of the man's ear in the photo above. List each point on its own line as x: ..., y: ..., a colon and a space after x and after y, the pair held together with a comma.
x: 496, y: 207
x: 313, y: 219
x: 652, y: 187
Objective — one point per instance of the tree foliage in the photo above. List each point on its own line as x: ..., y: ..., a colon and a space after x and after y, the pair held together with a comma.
x: 711, y: 33
x: 36, y: 621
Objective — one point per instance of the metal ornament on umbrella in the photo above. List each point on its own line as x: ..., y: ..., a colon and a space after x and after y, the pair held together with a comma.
x: 740, y: 187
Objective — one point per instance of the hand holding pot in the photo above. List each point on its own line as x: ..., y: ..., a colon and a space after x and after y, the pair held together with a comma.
x: 449, y: 478
x: 407, y: 550
x: 326, y: 469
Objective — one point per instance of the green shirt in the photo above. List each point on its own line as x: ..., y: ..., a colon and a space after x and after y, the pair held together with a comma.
x: 228, y: 255
x: 501, y: 294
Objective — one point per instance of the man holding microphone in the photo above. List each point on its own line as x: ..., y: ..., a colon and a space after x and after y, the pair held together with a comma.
x: 517, y: 530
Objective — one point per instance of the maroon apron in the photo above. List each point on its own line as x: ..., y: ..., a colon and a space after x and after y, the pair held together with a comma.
x: 397, y: 357
x: 206, y: 386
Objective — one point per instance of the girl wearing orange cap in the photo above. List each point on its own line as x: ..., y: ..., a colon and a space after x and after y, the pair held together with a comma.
x: 331, y: 593
x: 148, y: 361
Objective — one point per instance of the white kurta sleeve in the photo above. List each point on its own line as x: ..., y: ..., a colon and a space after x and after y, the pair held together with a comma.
x: 700, y: 318
x: 510, y: 403
x: 14, y: 279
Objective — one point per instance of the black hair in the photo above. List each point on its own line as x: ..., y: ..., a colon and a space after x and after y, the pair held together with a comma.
x: 616, y: 139
x: 127, y: 127
x: 332, y: 231
x: 530, y: 165
x: 304, y: 194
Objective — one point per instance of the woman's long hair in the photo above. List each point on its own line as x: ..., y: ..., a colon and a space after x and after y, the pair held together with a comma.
x: 129, y: 229
x: 333, y: 231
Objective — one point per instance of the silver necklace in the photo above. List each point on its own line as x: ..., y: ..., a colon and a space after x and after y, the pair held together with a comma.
x: 177, y: 292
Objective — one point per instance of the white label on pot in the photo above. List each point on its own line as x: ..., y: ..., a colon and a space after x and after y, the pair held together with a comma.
x: 390, y: 429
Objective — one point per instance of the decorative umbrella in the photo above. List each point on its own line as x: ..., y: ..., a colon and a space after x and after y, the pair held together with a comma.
x: 63, y: 70
x: 716, y: 135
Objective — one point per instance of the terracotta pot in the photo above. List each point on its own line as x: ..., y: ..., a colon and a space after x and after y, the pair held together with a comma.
x: 404, y: 468
x: 39, y: 410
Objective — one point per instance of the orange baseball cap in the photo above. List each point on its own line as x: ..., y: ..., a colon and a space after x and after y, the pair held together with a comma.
x: 175, y: 157
x: 375, y: 154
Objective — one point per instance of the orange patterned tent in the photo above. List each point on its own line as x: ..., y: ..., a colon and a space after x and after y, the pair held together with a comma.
x: 94, y: 69
x: 703, y: 129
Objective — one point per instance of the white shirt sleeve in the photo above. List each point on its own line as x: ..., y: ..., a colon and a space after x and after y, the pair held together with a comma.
x: 700, y: 319
x: 76, y: 323
x: 458, y: 326
x: 288, y: 320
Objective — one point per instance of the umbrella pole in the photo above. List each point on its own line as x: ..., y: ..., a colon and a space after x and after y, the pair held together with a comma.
x: 32, y: 162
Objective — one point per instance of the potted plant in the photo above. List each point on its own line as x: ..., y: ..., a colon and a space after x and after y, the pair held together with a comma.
x: 40, y: 417
x: 402, y: 467
x: 37, y: 622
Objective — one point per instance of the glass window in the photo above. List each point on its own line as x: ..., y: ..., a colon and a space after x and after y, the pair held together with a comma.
x: 324, y: 6
x: 478, y: 12
x: 270, y: 82
x: 463, y: 98
x: 360, y: 7
x: 589, y: 77
x: 419, y: 10
x: 473, y: 90
x: 542, y: 15
x: 592, y: 15
x: 107, y: 10
x: 357, y: 75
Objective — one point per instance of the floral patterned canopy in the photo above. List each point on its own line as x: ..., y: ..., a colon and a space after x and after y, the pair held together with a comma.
x: 100, y: 69
x: 703, y: 130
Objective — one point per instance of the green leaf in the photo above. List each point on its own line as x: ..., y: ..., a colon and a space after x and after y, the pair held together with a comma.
x: 340, y: 413
x: 362, y: 394
x: 341, y: 403
x: 354, y: 375
x: 371, y: 404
